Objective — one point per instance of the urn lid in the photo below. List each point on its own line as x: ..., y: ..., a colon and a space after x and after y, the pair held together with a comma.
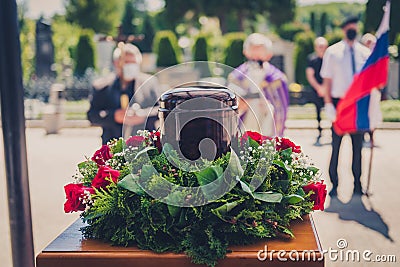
x: 174, y: 97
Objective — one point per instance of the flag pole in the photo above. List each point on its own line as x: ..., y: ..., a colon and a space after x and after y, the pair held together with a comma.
x: 367, y: 193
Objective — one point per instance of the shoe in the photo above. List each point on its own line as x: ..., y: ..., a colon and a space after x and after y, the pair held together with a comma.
x: 333, y: 192
x: 358, y: 191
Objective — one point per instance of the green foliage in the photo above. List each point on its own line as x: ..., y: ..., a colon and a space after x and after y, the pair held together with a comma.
x: 200, y: 53
x: 391, y: 110
x: 281, y: 12
x: 85, y: 53
x: 289, y: 30
x: 234, y: 49
x: 148, y: 31
x: 334, y: 36
x: 200, y: 49
x: 312, y: 21
x: 64, y: 44
x: 129, y: 13
x: 397, y: 43
x: 373, y: 17
x: 304, y: 46
x: 27, y: 42
x: 323, y: 23
x: 337, y: 12
x: 278, y: 11
x: 102, y: 16
x: 122, y: 213
x: 165, y: 45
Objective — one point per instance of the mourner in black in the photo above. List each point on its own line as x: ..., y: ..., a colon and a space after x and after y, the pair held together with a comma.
x: 314, y: 78
x: 110, y: 100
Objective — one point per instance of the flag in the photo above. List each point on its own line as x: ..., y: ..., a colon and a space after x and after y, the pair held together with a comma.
x: 358, y: 110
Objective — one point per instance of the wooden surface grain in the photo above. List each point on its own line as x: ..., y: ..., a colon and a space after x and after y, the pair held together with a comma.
x: 70, y: 249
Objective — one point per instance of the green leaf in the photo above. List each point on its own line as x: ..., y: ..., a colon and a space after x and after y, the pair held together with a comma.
x: 287, y: 154
x: 300, y: 192
x: 209, y: 175
x: 144, y: 151
x: 283, y: 166
x: 130, y: 182
x: 224, y: 209
x: 246, y: 188
x: 253, y: 144
x: 174, y: 211
x: 281, y: 184
x: 268, y: 196
x: 287, y: 231
x: 293, y: 199
x: 313, y: 169
x: 118, y: 147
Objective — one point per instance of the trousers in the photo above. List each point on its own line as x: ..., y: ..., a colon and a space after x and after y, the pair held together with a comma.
x: 356, y: 141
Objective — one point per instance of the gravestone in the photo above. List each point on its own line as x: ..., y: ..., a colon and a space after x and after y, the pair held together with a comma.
x: 44, y: 49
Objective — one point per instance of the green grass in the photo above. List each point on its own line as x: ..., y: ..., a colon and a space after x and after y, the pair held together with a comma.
x: 391, y: 110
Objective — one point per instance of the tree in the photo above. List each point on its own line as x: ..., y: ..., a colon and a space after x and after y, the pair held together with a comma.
x: 129, y: 13
x: 166, y: 47
x: 281, y: 11
x: 373, y: 17
x: 200, y: 53
x: 323, y: 23
x: 304, y: 46
x: 234, y: 49
x: 148, y: 31
x: 312, y: 21
x: 102, y: 16
x: 84, y: 54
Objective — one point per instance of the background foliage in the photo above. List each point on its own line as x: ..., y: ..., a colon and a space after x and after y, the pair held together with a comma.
x: 166, y: 47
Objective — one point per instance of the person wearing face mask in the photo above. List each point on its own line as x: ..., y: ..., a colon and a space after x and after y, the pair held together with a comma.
x: 111, y: 96
x: 340, y: 62
x: 258, y: 82
x: 314, y: 78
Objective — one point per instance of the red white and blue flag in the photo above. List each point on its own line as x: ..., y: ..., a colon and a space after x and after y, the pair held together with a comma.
x: 358, y: 110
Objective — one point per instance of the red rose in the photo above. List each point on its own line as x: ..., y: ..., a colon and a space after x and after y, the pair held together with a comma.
x: 259, y: 138
x: 135, y: 141
x: 156, y: 140
x: 319, y: 195
x: 102, y: 155
x: 75, y: 194
x: 284, y: 143
x: 104, y: 172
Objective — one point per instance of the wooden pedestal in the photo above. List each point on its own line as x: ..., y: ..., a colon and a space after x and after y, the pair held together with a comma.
x: 70, y: 249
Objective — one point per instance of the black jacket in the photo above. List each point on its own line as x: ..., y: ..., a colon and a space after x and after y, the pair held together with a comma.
x: 105, y: 100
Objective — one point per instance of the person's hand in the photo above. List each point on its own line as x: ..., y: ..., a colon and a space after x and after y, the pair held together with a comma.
x: 119, y: 116
x: 330, y: 111
x: 133, y: 120
x: 130, y: 119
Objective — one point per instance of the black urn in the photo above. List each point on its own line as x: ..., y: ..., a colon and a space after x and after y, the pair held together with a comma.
x: 199, y: 121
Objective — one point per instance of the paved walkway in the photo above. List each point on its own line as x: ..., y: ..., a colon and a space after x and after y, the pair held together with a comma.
x: 366, y: 224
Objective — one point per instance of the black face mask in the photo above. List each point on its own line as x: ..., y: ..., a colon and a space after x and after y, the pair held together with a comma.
x: 351, y: 34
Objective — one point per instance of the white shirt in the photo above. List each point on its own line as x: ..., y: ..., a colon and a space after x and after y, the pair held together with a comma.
x: 337, y: 65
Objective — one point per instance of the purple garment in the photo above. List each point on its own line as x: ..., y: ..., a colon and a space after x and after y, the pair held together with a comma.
x: 275, y: 89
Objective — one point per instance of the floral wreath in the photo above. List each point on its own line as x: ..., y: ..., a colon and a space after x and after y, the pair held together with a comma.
x: 116, y: 208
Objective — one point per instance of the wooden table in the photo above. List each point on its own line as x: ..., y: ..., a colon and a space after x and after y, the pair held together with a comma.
x: 70, y: 249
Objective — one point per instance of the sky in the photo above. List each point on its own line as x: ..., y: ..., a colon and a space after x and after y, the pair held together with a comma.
x: 49, y: 7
